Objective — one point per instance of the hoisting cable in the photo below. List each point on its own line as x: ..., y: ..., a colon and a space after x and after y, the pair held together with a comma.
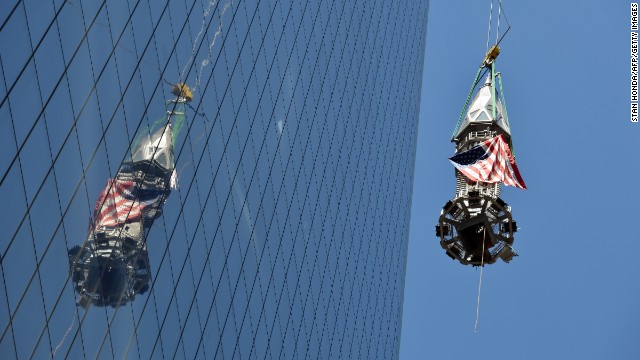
x: 501, y: 10
x: 488, y: 60
x: 475, y: 328
x: 500, y: 14
x: 489, y: 29
x: 498, y: 28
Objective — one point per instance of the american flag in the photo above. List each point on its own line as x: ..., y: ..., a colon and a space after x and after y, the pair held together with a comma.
x: 123, y: 202
x: 490, y: 162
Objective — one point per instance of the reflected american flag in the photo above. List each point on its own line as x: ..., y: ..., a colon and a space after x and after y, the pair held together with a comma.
x: 123, y: 202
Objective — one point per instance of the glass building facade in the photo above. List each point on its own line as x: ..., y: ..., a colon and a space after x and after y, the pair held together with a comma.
x: 287, y: 234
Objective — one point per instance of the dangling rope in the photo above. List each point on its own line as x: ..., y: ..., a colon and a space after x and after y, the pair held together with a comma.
x: 475, y: 328
x: 53, y: 354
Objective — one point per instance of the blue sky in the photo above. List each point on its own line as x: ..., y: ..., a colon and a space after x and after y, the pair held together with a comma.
x: 573, y: 292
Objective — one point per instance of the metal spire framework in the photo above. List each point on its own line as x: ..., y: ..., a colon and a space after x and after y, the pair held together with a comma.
x: 112, y: 266
x: 476, y: 226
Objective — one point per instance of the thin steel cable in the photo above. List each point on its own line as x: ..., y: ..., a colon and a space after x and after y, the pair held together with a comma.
x: 475, y: 327
x: 508, y: 25
x: 489, y: 28
x: 498, y: 29
x: 75, y: 335
x: 53, y: 354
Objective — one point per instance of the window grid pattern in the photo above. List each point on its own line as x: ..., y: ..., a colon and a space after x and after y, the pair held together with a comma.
x: 287, y: 235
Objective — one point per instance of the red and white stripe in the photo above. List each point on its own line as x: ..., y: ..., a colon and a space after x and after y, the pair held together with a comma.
x: 117, y: 204
x: 499, y: 166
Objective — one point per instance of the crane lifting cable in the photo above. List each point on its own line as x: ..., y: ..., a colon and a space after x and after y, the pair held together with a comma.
x: 490, y: 57
x: 476, y: 226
